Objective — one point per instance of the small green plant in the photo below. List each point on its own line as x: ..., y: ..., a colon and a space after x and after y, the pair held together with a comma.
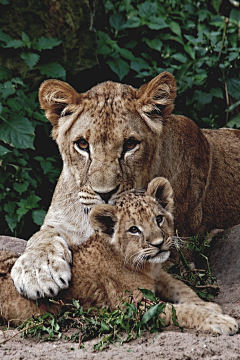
x: 200, y: 280
x: 126, y: 322
x: 27, y: 172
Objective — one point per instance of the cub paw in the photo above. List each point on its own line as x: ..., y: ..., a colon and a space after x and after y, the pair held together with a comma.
x: 43, y: 273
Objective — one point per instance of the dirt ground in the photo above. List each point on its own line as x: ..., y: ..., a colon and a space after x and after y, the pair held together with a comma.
x: 172, y: 344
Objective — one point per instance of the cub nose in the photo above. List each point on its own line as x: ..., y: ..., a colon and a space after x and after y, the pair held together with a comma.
x: 106, y: 196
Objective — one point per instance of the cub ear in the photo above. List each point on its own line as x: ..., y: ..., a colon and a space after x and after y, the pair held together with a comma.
x: 161, y: 189
x: 103, y: 219
x: 55, y: 96
x: 156, y: 99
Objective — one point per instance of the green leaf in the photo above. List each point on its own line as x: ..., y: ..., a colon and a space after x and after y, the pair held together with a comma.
x: 5, y: 73
x: 189, y: 50
x: 38, y: 216
x: 104, y: 327
x: 217, y: 92
x: 7, y: 89
x: 235, y: 15
x: 31, y: 59
x: 147, y: 9
x: 133, y: 22
x: 202, y: 98
x: 155, y: 44
x: 180, y: 57
x: 18, y: 132
x: 139, y: 64
x: 27, y: 204
x: 3, y: 151
x: 53, y: 70
x: 148, y: 294
x: 14, y: 105
x: 4, y: 2
x: 154, y: 310
x: 119, y: 66
x: 14, y: 44
x: 46, y: 43
x: 46, y: 166
x: 21, y: 187
x: 21, y: 211
x: 233, y: 87
x: 233, y: 55
x: 235, y: 121
x: 175, y: 28
x: 126, y: 54
x: 11, y: 221
x: 5, y: 37
x: 157, y: 23
x: 9, y: 208
x: 117, y: 21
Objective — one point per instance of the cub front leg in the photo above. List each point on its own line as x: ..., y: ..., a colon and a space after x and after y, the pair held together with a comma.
x: 200, y: 318
x: 44, y: 268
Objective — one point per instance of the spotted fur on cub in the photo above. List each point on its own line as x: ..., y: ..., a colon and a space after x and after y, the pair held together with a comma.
x: 131, y: 241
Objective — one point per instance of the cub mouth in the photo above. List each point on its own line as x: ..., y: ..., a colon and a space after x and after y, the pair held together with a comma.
x: 160, y: 257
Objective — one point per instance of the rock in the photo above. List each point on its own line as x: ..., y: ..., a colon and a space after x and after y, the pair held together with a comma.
x: 71, y: 21
x: 224, y: 256
x: 12, y: 244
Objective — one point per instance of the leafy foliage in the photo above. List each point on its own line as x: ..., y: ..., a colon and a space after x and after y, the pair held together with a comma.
x: 121, y: 325
x: 200, y: 280
x: 189, y: 39
x: 27, y: 173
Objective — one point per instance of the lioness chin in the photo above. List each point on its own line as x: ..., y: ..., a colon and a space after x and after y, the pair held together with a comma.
x: 112, y: 139
x: 132, y: 239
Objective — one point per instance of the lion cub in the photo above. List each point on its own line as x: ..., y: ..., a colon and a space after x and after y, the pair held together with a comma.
x: 131, y: 240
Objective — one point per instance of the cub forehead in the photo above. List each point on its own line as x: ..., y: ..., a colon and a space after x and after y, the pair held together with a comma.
x: 137, y: 205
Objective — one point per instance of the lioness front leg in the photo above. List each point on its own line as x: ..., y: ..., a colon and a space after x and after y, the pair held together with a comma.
x: 44, y: 268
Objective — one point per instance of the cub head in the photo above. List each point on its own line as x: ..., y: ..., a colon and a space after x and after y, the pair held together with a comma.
x: 140, y: 225
x: 110, y: 136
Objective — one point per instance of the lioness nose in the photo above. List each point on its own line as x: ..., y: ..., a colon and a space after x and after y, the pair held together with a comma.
x: 107, y: 196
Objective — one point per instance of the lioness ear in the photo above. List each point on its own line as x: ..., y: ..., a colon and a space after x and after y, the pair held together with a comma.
x: 103, y: 219
x: 156, y: 99
x: 55, y: 96
x: 161, y: 189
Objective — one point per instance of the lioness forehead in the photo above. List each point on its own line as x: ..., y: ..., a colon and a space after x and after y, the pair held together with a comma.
x: 107, y: 107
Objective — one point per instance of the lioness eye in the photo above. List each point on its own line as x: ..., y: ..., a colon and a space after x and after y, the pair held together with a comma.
x: 130, y: 144
x: 82, y: 144
x: 134, y: 230
x: 159, y: 219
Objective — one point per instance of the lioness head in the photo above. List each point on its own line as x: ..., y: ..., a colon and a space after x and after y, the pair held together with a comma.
x: 109, y: 137
x: 139, y: 225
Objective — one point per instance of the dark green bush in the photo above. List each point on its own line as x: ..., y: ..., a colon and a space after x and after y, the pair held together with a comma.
x: 189, y: 39
x: 29, y: 160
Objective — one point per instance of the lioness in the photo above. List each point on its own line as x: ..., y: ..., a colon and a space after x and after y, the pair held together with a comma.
x: 114, y: 138
x: 132, y: 239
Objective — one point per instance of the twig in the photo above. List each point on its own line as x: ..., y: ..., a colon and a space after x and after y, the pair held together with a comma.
x: 25, y: 329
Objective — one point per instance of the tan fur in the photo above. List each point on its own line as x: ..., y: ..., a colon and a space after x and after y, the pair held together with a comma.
x: 201, y: 165
x: 132, y: 239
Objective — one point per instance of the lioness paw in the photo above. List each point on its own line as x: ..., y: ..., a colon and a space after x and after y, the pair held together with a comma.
x: 39, y: 273
x: 221, y: 324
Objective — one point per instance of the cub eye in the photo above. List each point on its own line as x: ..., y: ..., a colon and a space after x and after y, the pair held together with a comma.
x: 82, y: 144
x: 159, y: 219
x: 134, y: 230
x: 130, y: 144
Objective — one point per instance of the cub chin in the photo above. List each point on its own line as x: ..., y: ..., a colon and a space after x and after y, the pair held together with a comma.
x: 131, y: 240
